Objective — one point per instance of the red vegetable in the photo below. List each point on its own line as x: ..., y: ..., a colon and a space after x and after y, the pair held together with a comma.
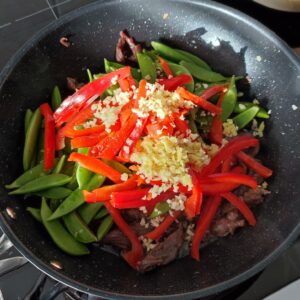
x: 212, y: 91
x: 124, y: 85
x: 205, y: 219
x: 241, y: 206
x: 165, y: 67
x: 96, y: 165
x: 171, y: 84
x: 72, y: 133
x: 49, y: 139
x: 135, y: 255
x: 253, y: 164
x: 87, y: 141
x: 217, y: 188
x: 86, y: 95
x: 182, y: 126
x: 194, y: 202
x: 162, y: 228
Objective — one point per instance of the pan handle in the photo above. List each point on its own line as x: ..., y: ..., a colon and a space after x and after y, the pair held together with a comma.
x: 5, y: 244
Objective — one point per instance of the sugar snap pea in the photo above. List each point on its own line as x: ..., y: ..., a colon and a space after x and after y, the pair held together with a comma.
x: 178, y: 70
x: 195, y: 59
x: 245, y: 117
x: 90, y: 75
x: 28, y: 116
x: 229, y: 100
x: 87, y: 211
x: 242, y: 106
x: 104, y: 227
x: 110, y: 66
x: 40, y: 147
x: 31, y: 138
x: 160, y: 209
x: 42, y: 183
x: 102, y: 213
x: 35, y: 212
x: 60, y: 236
x: 55, y: 98
x: 83, y: 175
x: 27, y: 176
x: 60, y: 164
x: 77, y: 227
x: 73, y: 183
x: 202, y: 73
x: 147, y: 67
x: 192, y: 124
x: 55, y: 193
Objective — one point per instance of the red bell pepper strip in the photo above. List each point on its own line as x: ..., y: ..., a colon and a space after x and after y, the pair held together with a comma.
x: 135, y: 198
x: 124, y: 85
x: 160, y: 128
x: 217, y: 188
x: 96, y: 165
x: 226, y: 166
x: 241, y: 206
x: 87, y: 141
x: 216, y: 131
x: 206, y: 217
x: 72, y: 133
x: 182, y: 126
x: 194, y: 202
x: 234, y: 146
x: 199, y: 101
x: 74, y: 103
x: 135, y: 254
x: 49, y: 139
x: 253, y: 164
x: 103, y: 194
x: 163, y: 227
x: 229, y: 178
x: 212, y: 91
x: 165, y: 67
x: 142, y: 92
x: 171, y: 84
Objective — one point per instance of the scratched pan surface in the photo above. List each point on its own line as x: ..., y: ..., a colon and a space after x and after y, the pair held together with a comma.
x: 232, y: 43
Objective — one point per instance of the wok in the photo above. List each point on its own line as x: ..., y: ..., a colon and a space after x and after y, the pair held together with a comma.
x: 232, y: 43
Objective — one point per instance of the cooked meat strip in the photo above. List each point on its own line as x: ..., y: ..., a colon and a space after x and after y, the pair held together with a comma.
x: 164, y: 252
x: 65, y: 42
x: 73, y: 84
x: 132, y: 215
x: 127, y: 48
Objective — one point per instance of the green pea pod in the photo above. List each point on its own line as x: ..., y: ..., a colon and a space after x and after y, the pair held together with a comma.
x: 42, y: 183
x: 195, y: 59
x: 73, y: 185
x: 178, y: 70
x: 147, y: 66
x: 102, y: 213
x: 242, y: 106
x: 60, y: 236
x: 87, y: 211
x: 152, y: 54
x: 110, y: 66
x: 160, y: 209
x: 104, y: 227
x: 27, y: 176
x: 83, y: 175
x: 90, y: 75
x: 203, y: 74
x: 31, y: 138
x: 60, y: 164
x: 55, y: 98
x: 78, y: 228
x: 54, y: 203
x: 55, y: 193
x: 28, y: 116
x: 229, y: 100
x: 35, y: 212
x: 76, y: 199
x: 40, y: 147
x: 192, y: 124
x: 118, y: 166
x: 245, y: 117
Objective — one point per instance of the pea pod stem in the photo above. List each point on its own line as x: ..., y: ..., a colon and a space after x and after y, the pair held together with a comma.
x: 28, y: 116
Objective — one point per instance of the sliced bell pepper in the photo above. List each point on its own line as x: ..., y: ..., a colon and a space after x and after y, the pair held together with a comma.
x: 198, y: 100
x: 72, y: 133
x: 165, y: 67
x: 241, y: 206
x: 216, y: 131
x: 234, y: 146
x: 160, y: 128
x: 253, y: 164
x: 171, y: 84
x: 206, y: 217
x: 96, y: 165
x: 142, y: 92
x: 163, y: 227
x: 88, y: 140
x: 212, y: 91
x: 74, y: 103
x: 135, y: 254
x: 226, y: 166
x: 49, y: 139
x: 124, y: 85
x: 217, y: 188
x: 103, y: 194
x: 182, y: 127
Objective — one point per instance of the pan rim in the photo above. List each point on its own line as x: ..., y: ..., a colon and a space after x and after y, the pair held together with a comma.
x: 46, y: 268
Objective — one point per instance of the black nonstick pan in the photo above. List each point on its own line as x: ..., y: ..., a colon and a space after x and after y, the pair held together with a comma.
x: 231, y: 43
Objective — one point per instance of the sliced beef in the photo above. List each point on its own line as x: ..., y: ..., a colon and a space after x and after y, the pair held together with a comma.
x: 132, y: 215
x: 73, y: 84
x: 164, y: 252
x: 127, y: 48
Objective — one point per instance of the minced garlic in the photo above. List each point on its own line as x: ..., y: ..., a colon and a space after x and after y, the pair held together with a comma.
x: 229, y: 129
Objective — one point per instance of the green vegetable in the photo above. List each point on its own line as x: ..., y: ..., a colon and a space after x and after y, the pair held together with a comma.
x: 60, y: 236
x: 245, y: 117
x: 31, y: 138
x: 192, y: 124
x: 55, y: 193
x: 102, y: 213
x: 35, y: 212
x: 73, y: 185
x: 27, y: 176
x: 160, y: 209
x: 110, y: 66
x: 60, y: 164
x: 42, y: 183
x: 195, y: 59
x: 55, y: 98
x: 78, y: 228
x: 83, y: 175
x: 229, y: 100
x: 147, y: 66
x: 242, y: 106
x: 118, y: 166
x: 104, y: 227
x: 90, y: 75
x: 40, y: 147
x: 28, y: 116
x: 178, y: 70
x: 202, y: 73
x: 96, y: 181
x: 88, y: 211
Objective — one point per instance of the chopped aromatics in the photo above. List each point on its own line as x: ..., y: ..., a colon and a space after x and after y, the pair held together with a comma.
x: 229, y: 129
x: 177, y: 203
